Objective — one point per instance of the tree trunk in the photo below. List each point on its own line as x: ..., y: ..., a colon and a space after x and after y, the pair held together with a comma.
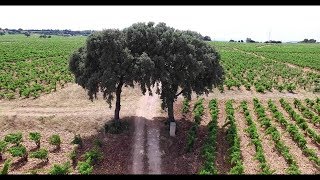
x: 170, y: 111
x: 118, y: 106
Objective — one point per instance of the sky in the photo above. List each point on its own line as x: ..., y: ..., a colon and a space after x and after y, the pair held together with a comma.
x: 260, y: 23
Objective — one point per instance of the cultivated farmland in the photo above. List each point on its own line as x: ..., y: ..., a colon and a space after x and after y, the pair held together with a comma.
x: 263, y: 120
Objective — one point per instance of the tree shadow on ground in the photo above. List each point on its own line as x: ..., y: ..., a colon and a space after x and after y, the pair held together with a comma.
x: 177, y: 160
x: 40, y: 165
x: 118, y: 149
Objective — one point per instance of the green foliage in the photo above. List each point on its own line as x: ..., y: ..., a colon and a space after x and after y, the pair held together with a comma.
x: 290, y: 87
x: 60, y: 169
x: 32, y: 66
x: 209, y: 150
x: 93, y: 156
x: 35, y: 136
x: 149, y: 55
x: 40, y: 154
x: 198, y: 110
x: 84, y: 168
x: 255, y: 139
x: 3, y: 146
x: 234, y: 141
x: 77, y: 140
x: 73, y: 156
x: 18, y: 151
x: 55, y: 140
x: 14, y: 138
x: 6, y: 167
x: 301, y: 122
x: 185, y: 106
x: 275, y: 135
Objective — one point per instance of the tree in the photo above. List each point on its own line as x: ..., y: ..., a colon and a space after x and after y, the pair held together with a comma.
x: 160, y: 56
x: 207, y: 38
x: 106, y: 64
x: 249, y: 40
x: 182, y: 61
x: 27, y: 34
x: 2, y: 32
x: 231, y: 40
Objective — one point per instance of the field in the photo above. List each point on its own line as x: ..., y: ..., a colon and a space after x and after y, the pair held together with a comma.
x: 265, y: 119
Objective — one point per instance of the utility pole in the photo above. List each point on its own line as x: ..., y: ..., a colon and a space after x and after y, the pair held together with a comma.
x: 269, y: 34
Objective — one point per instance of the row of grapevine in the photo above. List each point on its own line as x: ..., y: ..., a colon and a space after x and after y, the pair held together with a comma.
x: 32, y: 66
x: 234, y: 141
x: 198, y: 110
x: 275, y: 136
x: 210, y: 148
x: 301, y: 122
x: 255, y: 139
x: 264, y: 74
x: 293, y: 130
x: 306, y: 113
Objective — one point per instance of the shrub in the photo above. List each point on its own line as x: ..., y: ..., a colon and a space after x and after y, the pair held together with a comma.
x: 77, y: 140
x: 40, y: 154
x: 19, y: 151
x: 35, y: 136
x: 221, y: 89
x: 6, y: 167
x: 291, y: 87
x: 185, y: 106
x: 14, y: 138
x: 3, y: 147
x: 84, y: 168
x: 58, y: 169
x: 73, y: 156
x: 55, y: 140
x: 93, y: 156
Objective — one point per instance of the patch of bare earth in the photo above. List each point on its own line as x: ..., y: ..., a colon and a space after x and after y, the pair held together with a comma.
x: 251, y: 165
x: 304, y: 164
x: 242, y: 94
x: 276, y: 161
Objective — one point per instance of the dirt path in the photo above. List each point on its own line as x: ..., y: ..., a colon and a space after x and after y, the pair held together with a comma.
x: 146, y: 137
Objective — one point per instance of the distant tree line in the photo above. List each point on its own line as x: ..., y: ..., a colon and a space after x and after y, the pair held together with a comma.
x: 308, y: 41
x: 44, y: 36
x: 272, y: 41
x: 231, y: 40
x: 66, y: 32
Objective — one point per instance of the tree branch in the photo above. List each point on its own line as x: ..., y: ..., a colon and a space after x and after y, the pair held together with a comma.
x: 179, y: 93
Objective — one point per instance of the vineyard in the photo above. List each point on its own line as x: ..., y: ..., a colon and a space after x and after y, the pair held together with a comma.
x: 32, y: 66
x: 264, y: 119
